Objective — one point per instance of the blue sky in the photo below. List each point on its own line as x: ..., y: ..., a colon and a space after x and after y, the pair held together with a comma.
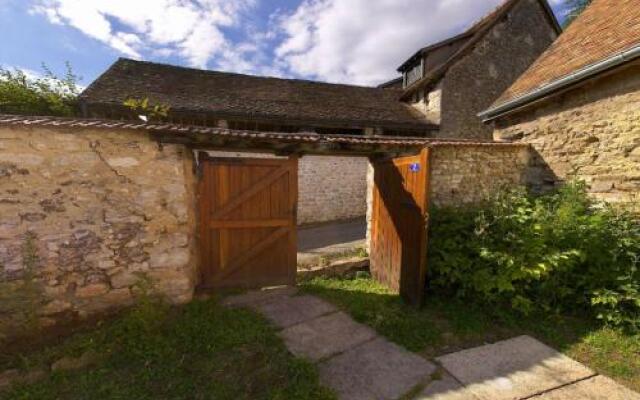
x: 353, y: 41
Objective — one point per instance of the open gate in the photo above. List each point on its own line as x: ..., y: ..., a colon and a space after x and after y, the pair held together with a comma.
x: 247, y: 221
x: 398, y: 247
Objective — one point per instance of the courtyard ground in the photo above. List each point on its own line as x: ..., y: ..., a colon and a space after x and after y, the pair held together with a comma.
x: 445, y: 326
x: 346, y: 337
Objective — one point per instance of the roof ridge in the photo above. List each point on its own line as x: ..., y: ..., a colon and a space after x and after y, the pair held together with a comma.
x: 470, y: 30
x: 211, y: 71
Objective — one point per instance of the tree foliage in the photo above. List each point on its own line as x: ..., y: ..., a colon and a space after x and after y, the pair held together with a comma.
x: 574, y: 9
x: 46, y: 95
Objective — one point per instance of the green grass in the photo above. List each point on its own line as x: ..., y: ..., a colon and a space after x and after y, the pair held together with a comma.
x: 199, y: 351
x: 444, y: 325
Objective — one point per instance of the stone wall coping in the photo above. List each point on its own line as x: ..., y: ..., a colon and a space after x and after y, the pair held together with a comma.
x: 214, y: 132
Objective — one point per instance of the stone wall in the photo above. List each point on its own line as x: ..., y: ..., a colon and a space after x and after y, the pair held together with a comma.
x: 369, y: 216
x: 477, y: 80
x: 331, y: 188
x: 591, y: 133
x: 430, y: 102
x: 469, y: 174
x: 89, y: 219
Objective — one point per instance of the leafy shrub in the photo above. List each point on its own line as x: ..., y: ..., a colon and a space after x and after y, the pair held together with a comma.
x: 49, y: 95
x: 143, y: 107
x: 559, y: 252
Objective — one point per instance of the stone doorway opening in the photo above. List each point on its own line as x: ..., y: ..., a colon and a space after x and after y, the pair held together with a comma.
x: 329, y: 228
x: 396, y: 184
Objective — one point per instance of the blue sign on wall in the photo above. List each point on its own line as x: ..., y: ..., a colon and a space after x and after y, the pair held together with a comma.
x: 414, y: 167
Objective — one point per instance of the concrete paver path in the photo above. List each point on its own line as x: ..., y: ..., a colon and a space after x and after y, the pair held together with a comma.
x: 358, y: 364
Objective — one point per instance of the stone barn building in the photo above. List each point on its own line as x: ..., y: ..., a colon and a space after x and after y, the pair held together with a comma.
x: 578, y: 105
x: 450, y: 82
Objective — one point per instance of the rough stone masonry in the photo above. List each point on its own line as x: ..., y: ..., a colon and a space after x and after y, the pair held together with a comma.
x: 590, y: 133
x: 89, y: 219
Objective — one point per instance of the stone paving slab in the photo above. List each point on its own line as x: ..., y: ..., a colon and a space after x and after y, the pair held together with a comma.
x: 376, y: 369
x: 513, y: 369
x: 325, y: 336
x: 596, y: 388
x: 445, y: 388
x: 285, y: 311
x: 258, y: 296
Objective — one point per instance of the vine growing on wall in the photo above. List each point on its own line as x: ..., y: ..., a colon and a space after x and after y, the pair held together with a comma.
x: 146, y: 110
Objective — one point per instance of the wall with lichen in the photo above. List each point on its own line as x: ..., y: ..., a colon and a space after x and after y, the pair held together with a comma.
x: 590, y: 133
x: 467, y: 174
x: 88, y: 219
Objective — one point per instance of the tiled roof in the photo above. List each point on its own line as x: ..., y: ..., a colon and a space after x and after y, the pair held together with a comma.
x: 244, y: 96
x: 605, y: 29
x: 434, y: 46
x: 393, y: 83
x: 183, y: 130
x: 473, y: 35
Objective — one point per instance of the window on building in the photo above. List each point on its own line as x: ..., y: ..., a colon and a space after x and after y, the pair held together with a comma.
x: 414, y: 73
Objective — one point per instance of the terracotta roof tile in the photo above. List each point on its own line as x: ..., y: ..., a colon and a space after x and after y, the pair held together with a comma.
x: 605, y: 29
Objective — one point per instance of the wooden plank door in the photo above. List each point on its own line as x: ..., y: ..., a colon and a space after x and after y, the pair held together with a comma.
x: 247, y: 221
x: 399, y: 225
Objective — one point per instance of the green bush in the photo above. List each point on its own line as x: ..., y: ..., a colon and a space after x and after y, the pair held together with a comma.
x: 559, y: 252
x: 49, y: 95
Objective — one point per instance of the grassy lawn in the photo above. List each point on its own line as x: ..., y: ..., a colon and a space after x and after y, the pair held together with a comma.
x: 446, y: 325
x: 199, y: 351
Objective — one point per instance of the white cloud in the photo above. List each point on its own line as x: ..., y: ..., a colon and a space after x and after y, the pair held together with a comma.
x: 352, y: 41
x: 364, y: 41
x: 189, y: 29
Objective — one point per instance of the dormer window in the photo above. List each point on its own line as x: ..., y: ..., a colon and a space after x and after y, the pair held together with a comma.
x: 413, y: 73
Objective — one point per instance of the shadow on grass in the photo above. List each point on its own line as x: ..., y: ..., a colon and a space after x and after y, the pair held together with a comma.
x: 198, y: 351
x: 446, y: 325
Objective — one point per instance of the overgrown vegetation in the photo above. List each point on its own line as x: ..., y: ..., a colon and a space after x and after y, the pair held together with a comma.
x: 448, y: 324
x: 49, y: 95
x: 144, y: 108
x: 199, y: 351
x: 560, y: 253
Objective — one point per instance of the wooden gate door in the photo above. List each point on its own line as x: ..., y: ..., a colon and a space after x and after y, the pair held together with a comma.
x: 248, y: 221
x: 399, y: 225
